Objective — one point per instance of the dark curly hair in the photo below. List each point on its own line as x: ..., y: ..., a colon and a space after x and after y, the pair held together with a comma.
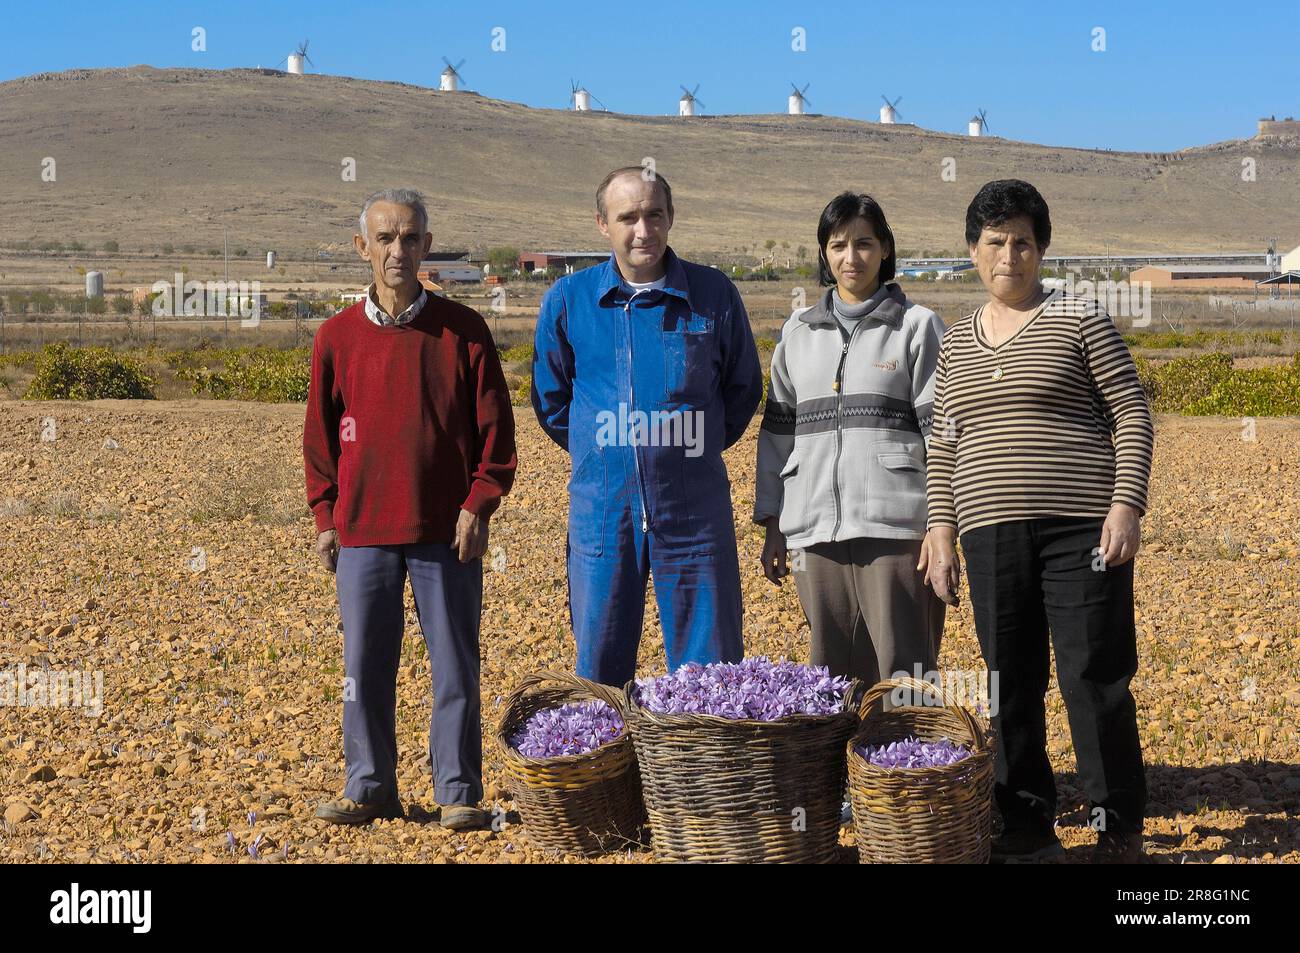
x: 843, y: 209
x: 1000, y: 201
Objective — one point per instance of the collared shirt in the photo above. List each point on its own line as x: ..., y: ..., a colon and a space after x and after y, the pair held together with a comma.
x: 381, y: 317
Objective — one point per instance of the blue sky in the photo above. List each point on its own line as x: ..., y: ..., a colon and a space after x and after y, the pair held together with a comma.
x: 1171, y: 75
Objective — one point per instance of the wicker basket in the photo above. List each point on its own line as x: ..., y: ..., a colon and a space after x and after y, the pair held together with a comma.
x: 939, y: 815
x: 741, y: 791
x: 585, y: 804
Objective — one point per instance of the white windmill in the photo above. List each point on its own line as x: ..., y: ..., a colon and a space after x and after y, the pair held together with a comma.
x: 686, y: 105
x: 296, y: 58
x: 889, y: 113
x: 798, y: 99
x: 978, y: 125
x: 580, y: 98
x: 449, y: 79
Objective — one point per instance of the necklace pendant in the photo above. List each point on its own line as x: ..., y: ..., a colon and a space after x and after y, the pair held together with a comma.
x: 997, y: 374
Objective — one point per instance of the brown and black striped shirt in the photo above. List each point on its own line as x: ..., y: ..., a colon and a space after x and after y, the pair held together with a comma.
x: 1064, y: 431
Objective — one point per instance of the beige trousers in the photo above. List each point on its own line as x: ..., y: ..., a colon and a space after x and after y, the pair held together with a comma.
x: 870, y: 611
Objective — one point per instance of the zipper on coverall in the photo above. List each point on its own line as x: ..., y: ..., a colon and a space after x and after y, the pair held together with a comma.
x: 631, y: 387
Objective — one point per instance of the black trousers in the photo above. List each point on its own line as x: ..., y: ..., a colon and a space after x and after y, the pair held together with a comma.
x: 1028, y: 577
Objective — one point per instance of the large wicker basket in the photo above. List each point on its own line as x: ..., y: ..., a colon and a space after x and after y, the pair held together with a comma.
x: 585, y: 804
x: 740, y: 791
x: 939, y: 815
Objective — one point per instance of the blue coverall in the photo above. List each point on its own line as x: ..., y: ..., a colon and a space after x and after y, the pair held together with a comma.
x: 648, y: 491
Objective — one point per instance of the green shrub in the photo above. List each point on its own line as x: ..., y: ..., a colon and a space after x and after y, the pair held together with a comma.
x: 91, y: 373
x: 1209, y: 385
x: 1258, y: 392
x: 766, y: 345
x: 520, y: 352
x: 522, y: 395
x: 1173, y: 386
x: 1164, y: 340
x: 263, y: 374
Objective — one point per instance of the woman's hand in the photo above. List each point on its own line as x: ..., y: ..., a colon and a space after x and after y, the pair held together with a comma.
x: 775, y: 567
x: 940, y: 564
x: 1121, y: 535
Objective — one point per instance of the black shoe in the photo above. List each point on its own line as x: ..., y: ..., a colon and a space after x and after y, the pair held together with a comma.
x: 347, y: 811
x: 1025, y: 846
x: 1118, y: 847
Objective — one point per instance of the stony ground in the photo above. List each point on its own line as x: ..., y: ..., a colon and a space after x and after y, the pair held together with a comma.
x: 167, y: 545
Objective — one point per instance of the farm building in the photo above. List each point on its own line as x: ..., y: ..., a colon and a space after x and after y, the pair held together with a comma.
x: 1201, y: 276
x: 1291, y: 260
x: 449, y: 272
x: 567, y: 261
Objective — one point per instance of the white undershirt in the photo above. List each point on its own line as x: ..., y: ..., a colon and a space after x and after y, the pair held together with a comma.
x: 636, y: 287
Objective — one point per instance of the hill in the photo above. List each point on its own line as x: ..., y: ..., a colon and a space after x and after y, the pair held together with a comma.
x: 149, y: 156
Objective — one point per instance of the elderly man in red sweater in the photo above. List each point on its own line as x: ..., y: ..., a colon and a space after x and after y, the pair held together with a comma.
x: 409, y: 446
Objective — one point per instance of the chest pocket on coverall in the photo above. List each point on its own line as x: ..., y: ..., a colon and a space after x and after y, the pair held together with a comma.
x: 690, y: 342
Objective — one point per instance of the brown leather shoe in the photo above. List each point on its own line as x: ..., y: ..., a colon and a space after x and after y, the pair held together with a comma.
x: 347, y: 811
x: 463, y: 817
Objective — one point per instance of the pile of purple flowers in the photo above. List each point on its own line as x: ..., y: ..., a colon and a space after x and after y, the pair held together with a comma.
x: 575, y: 728
x: 913, y: 753
x: 756, y: 688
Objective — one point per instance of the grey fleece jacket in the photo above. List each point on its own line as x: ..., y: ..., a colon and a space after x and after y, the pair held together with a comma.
x: 841, y: 452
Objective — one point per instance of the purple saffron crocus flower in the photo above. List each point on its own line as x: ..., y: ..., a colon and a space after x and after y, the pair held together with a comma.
x: 755, y: 689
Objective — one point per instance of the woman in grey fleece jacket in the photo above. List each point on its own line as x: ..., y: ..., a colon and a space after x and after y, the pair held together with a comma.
x: 841, y: 455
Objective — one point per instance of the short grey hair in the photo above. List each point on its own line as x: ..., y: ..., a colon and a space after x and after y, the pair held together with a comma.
x: 407, y: 197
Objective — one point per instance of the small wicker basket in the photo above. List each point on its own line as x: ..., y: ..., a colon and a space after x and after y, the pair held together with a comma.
x: 584, y: 804
x: 939, y: 815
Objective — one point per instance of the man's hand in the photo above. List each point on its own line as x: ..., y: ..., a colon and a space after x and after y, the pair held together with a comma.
x: 775, y: 567
x: 940, y: 564
x: 327, y: 549
x: 471, y: 538
x: 1121, y: 535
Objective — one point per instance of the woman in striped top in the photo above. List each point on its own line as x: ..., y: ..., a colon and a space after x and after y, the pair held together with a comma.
x: 1040, y: 457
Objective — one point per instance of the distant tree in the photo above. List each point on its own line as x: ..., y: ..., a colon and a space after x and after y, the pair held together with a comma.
x: 503, y: 260
x: 167, y: 249
x: 18, y: 301
x: 241, y: 252
x: 76, y: 246
x: 121, y: 304
x: 110, y: 246
x: 801, y: 252
x: 96, y: 305
x: 214, y: 252
x: 770, y: 244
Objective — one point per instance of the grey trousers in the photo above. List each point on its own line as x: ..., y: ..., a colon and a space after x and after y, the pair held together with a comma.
x: 870, y: 611
x: 371, y: 581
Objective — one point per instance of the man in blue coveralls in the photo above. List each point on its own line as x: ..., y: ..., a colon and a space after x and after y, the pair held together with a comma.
x: 645, y: 370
